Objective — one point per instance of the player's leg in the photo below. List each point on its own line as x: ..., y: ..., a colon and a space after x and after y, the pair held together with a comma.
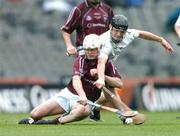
x: 50, y: 107
x: 119, y: 104
x: 116, y: 100
x: 95, y: 114
x: 74, y: 110
x: 102, y: 99
x: 56, y: 105
x: 77, y: 113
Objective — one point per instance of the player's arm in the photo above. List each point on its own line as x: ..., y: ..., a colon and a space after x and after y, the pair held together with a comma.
x: 153, y: 37
x: 110, y: 80
x: 100, y: 72
x: 177, y: 27
x: 71, y: 50
x: 112, y: 76
x: 69, y: 26
x: 76, y: 79
x: 77, y: 84
x: 102, y: 59
x: 114, y: 82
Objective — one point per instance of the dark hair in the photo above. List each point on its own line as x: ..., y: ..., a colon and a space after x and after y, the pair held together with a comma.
x: 120, y: 22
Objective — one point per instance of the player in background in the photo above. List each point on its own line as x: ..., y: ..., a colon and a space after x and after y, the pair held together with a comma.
x: 88, y: 17
x: 177, y: 27
x: 72, y: 100
x: 119, y: 37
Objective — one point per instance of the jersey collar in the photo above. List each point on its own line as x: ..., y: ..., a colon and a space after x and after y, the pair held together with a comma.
x: 88, y: 4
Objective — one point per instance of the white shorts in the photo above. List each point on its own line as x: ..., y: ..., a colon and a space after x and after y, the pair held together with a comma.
x: 66, y: 99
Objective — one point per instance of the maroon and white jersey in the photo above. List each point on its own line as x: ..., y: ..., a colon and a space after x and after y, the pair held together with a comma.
x: 86, y: 19
x: 82, y: 67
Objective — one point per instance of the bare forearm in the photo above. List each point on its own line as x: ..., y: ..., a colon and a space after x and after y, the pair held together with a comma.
x: 101, y: 68
x: 150, y: 36
x: 153, y: 37
x: 113, y: 81
x: 77, y: 84
x: 71, y: 50
x: 67, y: 39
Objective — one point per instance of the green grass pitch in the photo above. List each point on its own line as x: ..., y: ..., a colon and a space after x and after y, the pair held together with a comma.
x: 157, y: 124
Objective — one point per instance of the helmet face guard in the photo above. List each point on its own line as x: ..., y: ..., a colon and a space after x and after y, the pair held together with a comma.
x: 120, y: 22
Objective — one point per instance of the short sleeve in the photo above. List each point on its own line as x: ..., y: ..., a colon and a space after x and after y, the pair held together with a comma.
x: 104, y: 51
x: 106, y: 47
x: 133, y: 33
x: 72, y: 22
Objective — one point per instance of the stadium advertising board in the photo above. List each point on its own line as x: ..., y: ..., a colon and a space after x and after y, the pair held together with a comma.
x: 22, y: 98
x: 158, y: 97
x: 152, y: 94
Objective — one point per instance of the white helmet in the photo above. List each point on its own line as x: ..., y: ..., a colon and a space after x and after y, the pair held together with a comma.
x: 91, y: 41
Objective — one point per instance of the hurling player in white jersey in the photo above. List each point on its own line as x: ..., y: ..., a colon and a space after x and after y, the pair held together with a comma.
x: 177, y: 26
x: 119, y: 37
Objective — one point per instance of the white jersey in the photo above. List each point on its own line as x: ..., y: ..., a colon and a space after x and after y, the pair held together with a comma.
x: 178, y: 21
x: 110, y: 49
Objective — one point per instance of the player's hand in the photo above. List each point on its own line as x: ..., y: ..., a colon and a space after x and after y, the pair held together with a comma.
x: 82, y: 102
x: 93, y: 72
x: 99, y: 83
x: 167, y: 46
x: 71, y: 50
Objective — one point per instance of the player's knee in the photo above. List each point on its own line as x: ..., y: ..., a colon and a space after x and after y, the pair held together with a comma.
x: 34, y: 114
x: 84, y: 111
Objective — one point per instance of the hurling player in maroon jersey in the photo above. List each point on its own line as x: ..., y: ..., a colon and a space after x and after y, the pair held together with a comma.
x: 72, y: 100
x: 88, y: 17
